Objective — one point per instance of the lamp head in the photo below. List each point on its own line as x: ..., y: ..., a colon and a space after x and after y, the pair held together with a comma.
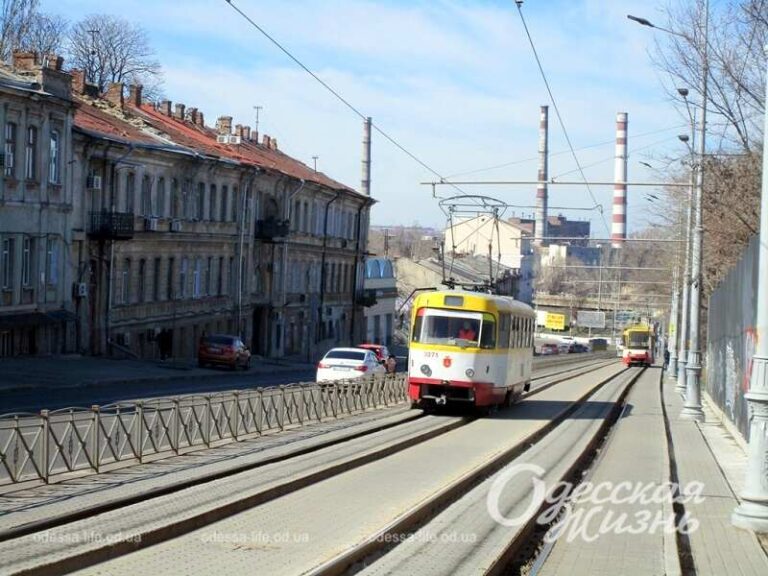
x: 683, y: 92
x: 642, y: 21
x: 683, y: 137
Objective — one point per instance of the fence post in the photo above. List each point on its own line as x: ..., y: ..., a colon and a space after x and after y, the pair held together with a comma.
x: 96, y: 436
x: 236, y: 416
x: 140, y: 429
x: 176, y: 426
x: 281, y: 415
x: 208, y: 421
x: 46, y: 447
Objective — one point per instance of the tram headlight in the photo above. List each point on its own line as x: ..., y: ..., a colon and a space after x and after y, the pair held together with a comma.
x: 426, y: 370
x: 469, y: 372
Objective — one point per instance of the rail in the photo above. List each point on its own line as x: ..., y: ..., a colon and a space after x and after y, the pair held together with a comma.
x: 37, y: 447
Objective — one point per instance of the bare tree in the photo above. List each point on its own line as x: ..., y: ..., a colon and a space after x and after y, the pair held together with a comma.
x: 16, y: 19
x: 111, y: 49
x: 45, y: 35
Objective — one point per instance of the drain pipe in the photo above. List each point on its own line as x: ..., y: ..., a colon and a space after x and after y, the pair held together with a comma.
x: 322, y: 264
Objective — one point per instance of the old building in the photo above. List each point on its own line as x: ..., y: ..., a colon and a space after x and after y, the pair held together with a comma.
x: 381, y: 292
x: 574, y: 232
x: 41, y: 254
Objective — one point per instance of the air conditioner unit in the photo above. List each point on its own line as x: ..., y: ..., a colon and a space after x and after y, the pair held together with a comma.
x: 234, y: 139
x: 175, y: 225
x: 80, y: 289
x: 150, y: 224
x: 93, y: 182
x: 222, y: 138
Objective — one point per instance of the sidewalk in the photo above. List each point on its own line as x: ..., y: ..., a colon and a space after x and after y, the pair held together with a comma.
x: 648, y: 450
x: 82, y: 371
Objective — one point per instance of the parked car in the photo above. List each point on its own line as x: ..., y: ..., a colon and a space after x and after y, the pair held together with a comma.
x: 223, y: 350
x: 549, y: 349
x: 348, y: 363
x: 381, y: 351
x: 576, y: 347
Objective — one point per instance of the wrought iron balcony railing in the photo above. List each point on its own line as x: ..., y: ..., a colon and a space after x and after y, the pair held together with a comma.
x: 271, y: 228
x: 111, y: 225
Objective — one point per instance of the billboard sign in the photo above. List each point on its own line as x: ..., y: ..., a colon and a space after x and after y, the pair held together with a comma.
x: 555, y: 321
x: 590, y: 319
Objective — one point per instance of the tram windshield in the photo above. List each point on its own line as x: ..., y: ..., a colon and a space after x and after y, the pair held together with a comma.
x: 637, y: 340
x: 449, y: 328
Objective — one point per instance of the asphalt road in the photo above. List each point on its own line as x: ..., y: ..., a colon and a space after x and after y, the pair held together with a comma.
x: 33, y: 400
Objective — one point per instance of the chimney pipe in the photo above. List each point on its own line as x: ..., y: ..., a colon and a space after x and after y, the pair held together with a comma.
x: 165, y: 107
x: 180, y: 108
x: 619, y: 224
x: 114, y: 94
x: 542, y: 196
x: 365, y: 185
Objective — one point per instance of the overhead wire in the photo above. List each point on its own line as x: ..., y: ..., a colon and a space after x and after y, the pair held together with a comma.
x: 335, y: 93
x: 559, y: 116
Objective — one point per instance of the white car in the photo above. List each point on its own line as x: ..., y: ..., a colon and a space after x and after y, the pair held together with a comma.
x: 348, y: 363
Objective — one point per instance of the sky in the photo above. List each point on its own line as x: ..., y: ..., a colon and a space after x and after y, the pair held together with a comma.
x: 455, y: 82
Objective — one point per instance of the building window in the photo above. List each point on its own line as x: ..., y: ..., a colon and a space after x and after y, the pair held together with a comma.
x: 8, y: 254
x: 125, y: 291
x: 213, y: 208
x: 231, y: 282
x: 220, y: 278
x: 30, y: 171
x: 142, y: 280
x: 176, y: 204
x: 10, y: 149
x: 200, y: 210
x: 209, y: 276
x: 183, y: 278
x: 52, y: 262
x: 226, y: 201
x: 53, y: 161
x: 146, y: 196
x: 161, y: 197
x: 196, y: 279
x: 156, y: 281
x: 234, y: 203
x: 169, y: 280
x: 26, y: 262
x: 130, y: 191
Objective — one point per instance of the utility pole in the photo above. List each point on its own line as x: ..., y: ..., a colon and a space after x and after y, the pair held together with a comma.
x: 692, y: 409
x: 258, y: 109
x: 314, y: 160
x: 752, y: 513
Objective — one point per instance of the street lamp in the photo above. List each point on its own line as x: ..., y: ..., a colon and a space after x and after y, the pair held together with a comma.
x: 692, y: 409
x: 687, y: 261
x: 752, y: 513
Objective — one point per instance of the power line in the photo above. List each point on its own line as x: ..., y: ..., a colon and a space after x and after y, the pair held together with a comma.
x: 559, y: 116
x: 335, y: 93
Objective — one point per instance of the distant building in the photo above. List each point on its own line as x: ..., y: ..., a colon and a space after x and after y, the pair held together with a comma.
x: 380, y: 286
x: 558, y: 227
x: 570, y: 255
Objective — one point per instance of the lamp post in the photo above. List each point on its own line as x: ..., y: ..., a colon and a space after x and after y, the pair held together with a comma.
x: 692, y: 409
x: 752, y: 513
x: 685, y: 303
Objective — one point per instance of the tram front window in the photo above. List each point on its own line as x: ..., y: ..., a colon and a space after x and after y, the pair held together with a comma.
x: 456, y: 330
x: 636, y: 340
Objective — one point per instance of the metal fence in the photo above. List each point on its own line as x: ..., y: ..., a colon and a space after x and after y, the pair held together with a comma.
x: 39, y: 446
x: 731, y: 338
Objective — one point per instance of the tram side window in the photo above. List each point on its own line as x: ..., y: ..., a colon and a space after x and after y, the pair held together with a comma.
x: 416, y: 334
x: 504, y: 330
x: 488, y: 332
x: 516, y: 333
x: 531, y: 327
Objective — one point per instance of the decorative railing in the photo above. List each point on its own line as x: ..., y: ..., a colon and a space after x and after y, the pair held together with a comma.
x: 38, y: 447
x: 111, y: 225
x: 271, y: 228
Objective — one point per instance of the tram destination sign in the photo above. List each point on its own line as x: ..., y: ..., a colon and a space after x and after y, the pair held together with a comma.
x: 590, y: 319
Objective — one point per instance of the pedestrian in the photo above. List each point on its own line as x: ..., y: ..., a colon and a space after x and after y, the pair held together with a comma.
x: 391, y: 364
x: 666, y: 358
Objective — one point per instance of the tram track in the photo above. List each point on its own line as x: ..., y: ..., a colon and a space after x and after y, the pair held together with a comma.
x: 346, y: 455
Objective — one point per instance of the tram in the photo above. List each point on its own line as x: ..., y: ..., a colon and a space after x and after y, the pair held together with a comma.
x: 469, y: 347
x: 638, y: 345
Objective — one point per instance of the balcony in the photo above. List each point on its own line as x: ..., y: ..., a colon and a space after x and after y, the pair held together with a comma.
x: 271, y: 229
x: 111, y: 225
x: 367, y: 298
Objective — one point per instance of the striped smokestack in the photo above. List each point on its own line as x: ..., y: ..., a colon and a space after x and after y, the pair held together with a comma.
x: 541, y: 190
x: 619, y: 225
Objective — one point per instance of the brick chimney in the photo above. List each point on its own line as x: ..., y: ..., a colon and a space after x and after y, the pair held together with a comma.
x: 273, y: 143
x: 224, y: 125
x: 78, y: 81
x: 239, y: 130
x: 134, y: 94
x: 23, y: 60
x: 53, y: 61
x: 114, y: 94
x: 165, y: 107
x: 265, y: 141
x: 200, y: 120
x: 179, y: 113
x: 192, y: 115
x: 246, y: 132
x: 255, y: 136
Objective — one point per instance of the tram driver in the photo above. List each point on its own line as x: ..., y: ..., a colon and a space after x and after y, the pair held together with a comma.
x: 467, y: 331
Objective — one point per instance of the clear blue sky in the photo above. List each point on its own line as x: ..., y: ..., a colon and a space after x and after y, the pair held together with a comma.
x: 454, y: 81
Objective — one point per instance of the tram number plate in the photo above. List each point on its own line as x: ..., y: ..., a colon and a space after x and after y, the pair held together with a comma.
x: 430, y: 354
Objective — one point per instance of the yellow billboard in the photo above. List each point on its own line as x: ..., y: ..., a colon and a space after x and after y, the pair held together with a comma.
x: 555, y: 321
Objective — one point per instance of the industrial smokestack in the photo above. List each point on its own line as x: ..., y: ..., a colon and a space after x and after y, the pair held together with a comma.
x: 366, y: 183
x: 619, y: 224
x: 540, y: 230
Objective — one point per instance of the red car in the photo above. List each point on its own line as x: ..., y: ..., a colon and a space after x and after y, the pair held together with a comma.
x: 223, y: 350
x: 381, y: 351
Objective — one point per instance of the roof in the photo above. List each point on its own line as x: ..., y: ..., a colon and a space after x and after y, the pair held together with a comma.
x: 91, y: 119
x: 203, y: 139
